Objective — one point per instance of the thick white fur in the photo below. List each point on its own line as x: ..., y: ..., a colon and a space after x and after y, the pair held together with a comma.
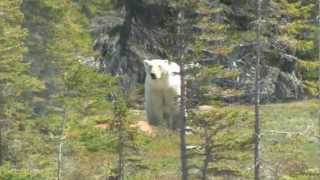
x: 162, y: 92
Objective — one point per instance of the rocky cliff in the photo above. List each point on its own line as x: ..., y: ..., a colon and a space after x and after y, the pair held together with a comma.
x: 134, y: 33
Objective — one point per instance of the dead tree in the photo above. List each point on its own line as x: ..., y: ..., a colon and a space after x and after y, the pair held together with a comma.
x: 183, y: 143
x: 257, y: 134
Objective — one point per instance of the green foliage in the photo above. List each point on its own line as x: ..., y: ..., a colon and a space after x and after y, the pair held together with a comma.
x: 290, y: 147
x: 12, y: 33
x: 295, y: 32
x: 125, y: 143
x: 210, y: 93
x: 15, y: 81
x: 8, y: 173
x: 226, y: 140
x: 56, y: 42
x: 14, y: 78
x: 43, y: 82
x: 309, y: 70
x: 294, y: 24
x: 311, y: 88
x: 98, y: 140
x: 214, y: 30
x: 179, y: 31
x: 94, y: 7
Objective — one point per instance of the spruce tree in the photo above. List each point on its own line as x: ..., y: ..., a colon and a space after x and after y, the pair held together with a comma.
x: 59, y: 46
x: 214, y: 44
x: 14, y: 78
x: 257, y: 129
x: 177, y: 43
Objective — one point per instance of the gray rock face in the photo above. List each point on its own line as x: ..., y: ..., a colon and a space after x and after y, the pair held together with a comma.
x: 269, y: 78
x: 288, y: 86
x: 278, y: 81
x: 127, y: 66
x: 288, y: 63
x: 122, y: 54
x: 275, y: 85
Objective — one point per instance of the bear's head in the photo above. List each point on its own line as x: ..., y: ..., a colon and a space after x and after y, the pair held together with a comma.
x: 157, y: 68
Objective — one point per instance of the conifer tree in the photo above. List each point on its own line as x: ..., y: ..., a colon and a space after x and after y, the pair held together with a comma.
x: 128, y: 138
x: 287, y: 35
x: 257, y: 132
x: 214, y: 47
x: 179, y: 39
x: 14, y: 78
x: 226, y: 142
x: 62, y: 45
x: 318, y: 48
x: 121, y: 125
x: 285, y: 31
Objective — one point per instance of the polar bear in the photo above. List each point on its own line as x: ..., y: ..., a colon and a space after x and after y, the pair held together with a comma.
x: 162, y: 92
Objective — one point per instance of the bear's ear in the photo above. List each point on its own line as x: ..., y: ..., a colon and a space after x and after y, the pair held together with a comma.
x: 166, y: 61
x: 146, y: 63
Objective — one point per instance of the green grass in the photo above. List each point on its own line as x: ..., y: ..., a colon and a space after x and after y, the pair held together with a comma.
x: 160, y: 154
x: 288, y: 129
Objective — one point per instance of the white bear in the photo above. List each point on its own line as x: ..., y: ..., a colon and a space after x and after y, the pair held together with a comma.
x: 162, y: 92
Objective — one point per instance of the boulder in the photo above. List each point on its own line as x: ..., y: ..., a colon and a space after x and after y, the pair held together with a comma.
x: 288, y: 86
x: 269, y: 78
x: 288, y: 63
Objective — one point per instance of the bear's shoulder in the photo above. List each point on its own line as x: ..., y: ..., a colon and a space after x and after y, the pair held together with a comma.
x: 174, y: 79
x: 174, y: 68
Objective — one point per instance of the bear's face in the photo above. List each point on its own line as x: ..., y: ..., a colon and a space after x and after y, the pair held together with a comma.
x: 156, y: 69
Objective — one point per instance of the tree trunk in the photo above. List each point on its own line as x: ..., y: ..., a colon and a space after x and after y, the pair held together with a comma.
x: 125, y: 31
x: 318, y: 38
x: 120, y: 152
x: 119, y: 125
x: 61, y: 143
x: 60, y: 159
x: 318, y: 23
x: 257, y: 153
x: 183, y: 149
x: 207, y: 154
x: 183, y: 143
x: 1, y: 146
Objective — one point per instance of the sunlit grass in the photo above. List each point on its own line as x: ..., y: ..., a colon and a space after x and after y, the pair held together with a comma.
x: 161, y: 154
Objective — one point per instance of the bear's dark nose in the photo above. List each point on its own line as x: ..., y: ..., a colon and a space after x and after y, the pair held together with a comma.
x: 153, y: 76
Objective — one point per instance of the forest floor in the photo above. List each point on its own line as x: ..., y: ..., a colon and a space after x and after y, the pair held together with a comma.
x: 282, y: 124
x: 289, y: 132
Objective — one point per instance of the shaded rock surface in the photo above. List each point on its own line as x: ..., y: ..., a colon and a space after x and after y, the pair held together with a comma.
x: 278, y: 82
x: 122, y: 52
x: 143, y: 41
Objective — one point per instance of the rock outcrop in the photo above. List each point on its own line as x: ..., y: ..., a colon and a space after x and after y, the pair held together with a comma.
x: 122, y: 54
x: 278, y: 82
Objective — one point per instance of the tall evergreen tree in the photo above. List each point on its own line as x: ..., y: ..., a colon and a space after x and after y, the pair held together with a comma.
x: 257, y: 134
x: 59, y: 46
x: 291, y: 41
x: 214, y: 47
x: 225, y: 143
x: 318, y: 48
x: 14, y: 78
x: 180, y: 39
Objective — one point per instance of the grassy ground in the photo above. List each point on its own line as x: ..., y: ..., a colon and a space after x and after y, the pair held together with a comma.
x: 289, y: 137
x: 288, y: 143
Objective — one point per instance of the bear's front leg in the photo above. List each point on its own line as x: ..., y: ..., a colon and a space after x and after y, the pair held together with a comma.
x: 172, y: 110
x: 154, y: 109
x: 176, y: 119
